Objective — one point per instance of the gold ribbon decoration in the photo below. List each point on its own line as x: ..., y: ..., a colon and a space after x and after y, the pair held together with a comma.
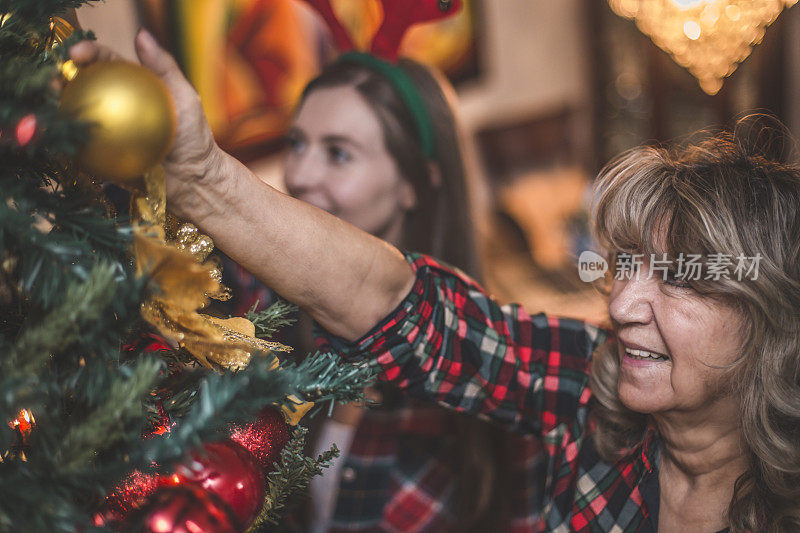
x: 182, y: 286
x: 60, y: 31
x: 184, y: 278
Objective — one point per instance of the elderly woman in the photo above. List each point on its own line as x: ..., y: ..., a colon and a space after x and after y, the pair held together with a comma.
x: 683, y: 417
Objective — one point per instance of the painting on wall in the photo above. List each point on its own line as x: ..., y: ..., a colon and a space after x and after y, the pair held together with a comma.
x: 250, y: 59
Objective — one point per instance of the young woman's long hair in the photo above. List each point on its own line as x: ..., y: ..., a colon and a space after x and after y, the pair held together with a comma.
x: 728, y: 196
x: 443, y: 224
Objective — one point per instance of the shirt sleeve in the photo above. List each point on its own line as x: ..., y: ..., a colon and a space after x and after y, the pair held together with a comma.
x: 450, y: 342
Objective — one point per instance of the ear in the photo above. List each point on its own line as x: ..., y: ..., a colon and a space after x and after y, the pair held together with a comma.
x: 407, y: 195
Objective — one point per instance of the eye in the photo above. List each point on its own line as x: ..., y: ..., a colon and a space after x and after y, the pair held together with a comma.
x: 672, y: 279
x: 337, y: 154
x: 295, y: 143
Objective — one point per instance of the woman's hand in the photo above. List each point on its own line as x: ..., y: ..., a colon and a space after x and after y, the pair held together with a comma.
x: 194, y: 154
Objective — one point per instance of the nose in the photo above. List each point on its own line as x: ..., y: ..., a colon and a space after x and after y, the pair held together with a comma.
x: 304, y: 171
x: 631, y: 300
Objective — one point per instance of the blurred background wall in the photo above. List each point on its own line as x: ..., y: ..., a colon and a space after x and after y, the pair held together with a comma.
x: 534, y: 54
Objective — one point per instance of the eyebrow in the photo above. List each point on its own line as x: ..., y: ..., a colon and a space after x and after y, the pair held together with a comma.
x: 295, y: 132
x: 343, y: 139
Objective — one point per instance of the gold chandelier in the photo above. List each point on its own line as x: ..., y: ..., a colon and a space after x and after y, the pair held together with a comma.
x: 708, y: 37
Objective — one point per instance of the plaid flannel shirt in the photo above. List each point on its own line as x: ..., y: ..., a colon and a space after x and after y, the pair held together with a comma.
x: 450, y: 342
x: 400, y: 475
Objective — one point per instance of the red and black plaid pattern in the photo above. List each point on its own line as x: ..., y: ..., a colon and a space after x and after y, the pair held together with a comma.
x: 386, y: 486
x: 399, y: 475
x: 450, y: 342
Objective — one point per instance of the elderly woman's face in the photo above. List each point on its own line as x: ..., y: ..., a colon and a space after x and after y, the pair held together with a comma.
x: 670, y: 341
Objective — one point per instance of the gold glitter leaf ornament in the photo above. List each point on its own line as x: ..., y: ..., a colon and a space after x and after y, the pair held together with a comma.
x: 183, y: 278
x: 180, y: 287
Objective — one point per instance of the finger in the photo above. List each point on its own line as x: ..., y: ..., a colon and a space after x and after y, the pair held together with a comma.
x: 159, y: 60
x: 86, y: 52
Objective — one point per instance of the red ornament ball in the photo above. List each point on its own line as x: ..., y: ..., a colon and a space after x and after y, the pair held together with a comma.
x: 186, y: 509
x: 265, y: 438
x: 228, y: 471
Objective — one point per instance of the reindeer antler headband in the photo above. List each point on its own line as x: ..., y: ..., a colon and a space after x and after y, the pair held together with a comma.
x: 398, y: 17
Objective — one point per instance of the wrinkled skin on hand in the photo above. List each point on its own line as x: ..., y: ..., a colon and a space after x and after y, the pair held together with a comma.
x: 194, y: 151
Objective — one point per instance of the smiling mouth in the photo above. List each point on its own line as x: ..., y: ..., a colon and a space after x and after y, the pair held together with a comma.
x: 644, y: 355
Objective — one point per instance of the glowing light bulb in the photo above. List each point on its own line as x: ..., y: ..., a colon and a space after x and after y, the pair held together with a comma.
x: 161, y: 525
x: 193, y: 527
x: 692, y: 30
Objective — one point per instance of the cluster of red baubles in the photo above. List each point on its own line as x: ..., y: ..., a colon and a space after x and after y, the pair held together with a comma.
x: 219, y: 488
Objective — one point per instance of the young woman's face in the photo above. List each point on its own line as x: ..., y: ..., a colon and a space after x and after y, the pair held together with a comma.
x: 337, y: 161
x: 673, y: 344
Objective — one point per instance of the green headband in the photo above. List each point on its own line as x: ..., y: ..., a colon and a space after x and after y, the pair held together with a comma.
x: 405, y: 89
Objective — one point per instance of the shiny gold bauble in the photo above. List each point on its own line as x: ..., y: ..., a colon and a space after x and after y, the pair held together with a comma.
x: 132, y: 116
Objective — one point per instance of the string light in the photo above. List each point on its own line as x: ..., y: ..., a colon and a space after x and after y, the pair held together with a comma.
x: 24, y: 422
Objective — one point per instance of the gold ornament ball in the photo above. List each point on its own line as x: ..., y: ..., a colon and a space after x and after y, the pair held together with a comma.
x: 132, y: 116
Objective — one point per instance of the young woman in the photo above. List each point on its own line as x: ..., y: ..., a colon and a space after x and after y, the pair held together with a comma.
x: 354, y: 151
x: 683, y: 417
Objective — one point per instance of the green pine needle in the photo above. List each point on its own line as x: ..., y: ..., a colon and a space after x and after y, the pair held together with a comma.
x: 82, y: 303
x: 272, y: 319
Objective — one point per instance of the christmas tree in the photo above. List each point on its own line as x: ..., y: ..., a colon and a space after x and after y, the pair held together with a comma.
x: 122, y: 406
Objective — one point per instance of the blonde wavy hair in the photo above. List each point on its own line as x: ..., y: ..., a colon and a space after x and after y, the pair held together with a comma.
x: 720, y: 196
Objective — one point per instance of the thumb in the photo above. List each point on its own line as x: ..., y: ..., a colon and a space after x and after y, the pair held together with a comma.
x: 157, y: 59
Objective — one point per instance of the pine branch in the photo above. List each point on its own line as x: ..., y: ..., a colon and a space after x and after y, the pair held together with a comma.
x: 335, y: 379
x: 222, y: 399
x: 271, y: 319
x: 292, y: 476
x: 110, y: 423
x: 27, y: 69
x: 82, y: 304
x: 79, y: 232
x: 232, y: 397
x: 37, y: 10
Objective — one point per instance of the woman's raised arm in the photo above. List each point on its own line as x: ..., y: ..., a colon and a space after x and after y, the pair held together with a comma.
x: 345, y: 278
